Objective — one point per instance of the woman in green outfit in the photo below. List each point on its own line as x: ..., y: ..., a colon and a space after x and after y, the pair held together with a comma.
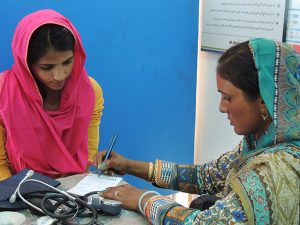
x: 259, y: 180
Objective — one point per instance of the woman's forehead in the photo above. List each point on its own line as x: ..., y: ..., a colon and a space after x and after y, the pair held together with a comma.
x: 53, y: 56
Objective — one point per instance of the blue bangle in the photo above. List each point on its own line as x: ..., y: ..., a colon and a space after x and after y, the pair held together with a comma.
x: 142, y: 196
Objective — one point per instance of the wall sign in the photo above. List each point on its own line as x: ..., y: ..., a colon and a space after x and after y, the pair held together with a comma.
x: 228, y: 22
x: 293, y: 24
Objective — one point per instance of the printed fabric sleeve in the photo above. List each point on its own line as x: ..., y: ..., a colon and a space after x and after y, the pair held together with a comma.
x: 161, y: 210
x: 93, y: 130
x: 195, y: 179
x: 4, y: 163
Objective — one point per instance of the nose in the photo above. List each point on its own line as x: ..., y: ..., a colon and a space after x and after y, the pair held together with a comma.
x: 59, y: 74
x: 222, y: 107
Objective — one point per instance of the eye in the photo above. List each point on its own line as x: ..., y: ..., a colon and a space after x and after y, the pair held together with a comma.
x: 46, y: 67
x: 226, y: 98
x: 68, y: 61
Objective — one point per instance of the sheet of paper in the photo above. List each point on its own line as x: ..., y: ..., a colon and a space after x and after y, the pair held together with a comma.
x: 94, y: 183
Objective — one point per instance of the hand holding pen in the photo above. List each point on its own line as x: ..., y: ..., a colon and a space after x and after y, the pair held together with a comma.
x: 107, y: 155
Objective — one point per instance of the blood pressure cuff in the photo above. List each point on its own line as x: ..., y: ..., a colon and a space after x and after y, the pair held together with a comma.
x: 8, y: 187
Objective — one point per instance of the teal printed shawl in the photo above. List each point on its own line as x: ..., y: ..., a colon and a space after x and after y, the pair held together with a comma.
x: 278, y: 68
x: 267, y: 175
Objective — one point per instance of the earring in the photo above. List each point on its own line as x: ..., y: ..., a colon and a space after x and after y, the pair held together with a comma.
x: 264, y: 114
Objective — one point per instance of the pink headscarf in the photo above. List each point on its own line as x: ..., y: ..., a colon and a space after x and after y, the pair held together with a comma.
x: 53, y: 142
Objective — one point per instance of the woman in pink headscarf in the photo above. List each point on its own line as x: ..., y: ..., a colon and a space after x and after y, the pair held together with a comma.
x: 50, y: 108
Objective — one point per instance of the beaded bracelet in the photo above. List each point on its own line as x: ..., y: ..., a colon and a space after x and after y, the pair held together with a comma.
x: 150, y: 172
x: 141, y: 198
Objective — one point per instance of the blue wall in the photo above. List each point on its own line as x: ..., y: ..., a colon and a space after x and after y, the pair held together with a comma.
x: 144, y: 55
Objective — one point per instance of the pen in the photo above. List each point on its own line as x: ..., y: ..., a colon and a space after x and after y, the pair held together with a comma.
x: 108, y: 153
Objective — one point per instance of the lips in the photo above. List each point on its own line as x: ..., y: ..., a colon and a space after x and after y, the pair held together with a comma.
x: 229, y: 120
x: 57, y: 84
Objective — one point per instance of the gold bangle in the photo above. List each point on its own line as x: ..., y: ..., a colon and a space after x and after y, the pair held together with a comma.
x: 150, y: 172
x: 158, y: 173
x: 155, y: 173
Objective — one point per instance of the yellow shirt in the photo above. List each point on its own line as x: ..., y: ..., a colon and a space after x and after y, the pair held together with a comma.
x: 93, y: 133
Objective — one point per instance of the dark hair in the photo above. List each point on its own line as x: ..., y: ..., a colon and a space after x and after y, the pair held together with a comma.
x: 237, y: 66
x: 46, y: 36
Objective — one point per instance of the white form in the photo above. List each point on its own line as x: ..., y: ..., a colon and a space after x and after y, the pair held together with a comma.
x: 94, y: 183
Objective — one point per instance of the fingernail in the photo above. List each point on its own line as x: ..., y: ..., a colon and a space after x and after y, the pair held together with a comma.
x: 102, y: 166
